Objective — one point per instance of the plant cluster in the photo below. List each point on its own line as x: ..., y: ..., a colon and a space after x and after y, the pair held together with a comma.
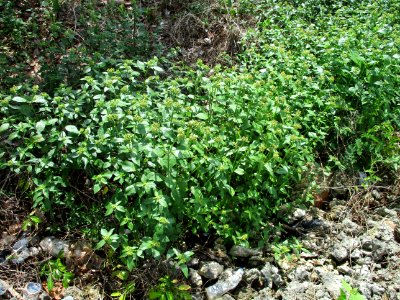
x: 193, y: 151
x: 341, y: 61
x: 169, y: 289
x: 54, y: 270
x: 213, y: 149
x: 53, y: 42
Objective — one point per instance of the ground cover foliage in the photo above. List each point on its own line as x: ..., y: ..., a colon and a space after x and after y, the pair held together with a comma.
x: 53, y: 42
x: 161, y: 149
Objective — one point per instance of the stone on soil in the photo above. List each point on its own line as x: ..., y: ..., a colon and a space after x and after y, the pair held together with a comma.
x: 239, y: 251
x: 210, y: 270
x: 252, y: 275
x: 332, y: 282
x: 386, y: 212
x: 74, y: 292
x: 264, y: 294
x: 339, y: 253
x: 195, y: 278
x: 271, y: 274
x: 300, y: 274
x: 54, y: 246
x: 297, y: 215
x: 226, y: 297
x: 228, y: 281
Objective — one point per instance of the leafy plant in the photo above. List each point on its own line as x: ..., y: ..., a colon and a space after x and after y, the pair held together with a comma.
x: 346, y: 68
x: 349, y: 293
x: 287, y: 248
x: 169, y: 289
x: 53, y: 42
x: 127, y: 290
x: 162, y: 149
x: 173, y: 162
x: 55, y: 270
x: 181, y: 258
x: 31, y: 220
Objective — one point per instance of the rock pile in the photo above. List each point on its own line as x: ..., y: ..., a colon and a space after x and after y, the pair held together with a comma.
x: 339, y: 245
x: 335, y: 249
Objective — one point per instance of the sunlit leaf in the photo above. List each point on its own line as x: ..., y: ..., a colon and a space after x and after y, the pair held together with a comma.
x: 72, y: 129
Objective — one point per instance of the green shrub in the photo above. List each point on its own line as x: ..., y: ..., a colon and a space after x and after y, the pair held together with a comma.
x: 343, y: 64
x: 213, y: 149
x: 53, y: 42
x: 196, y: 152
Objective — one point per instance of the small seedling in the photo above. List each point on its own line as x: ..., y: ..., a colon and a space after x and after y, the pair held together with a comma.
x: 349, y: 293
x: 55, y: 270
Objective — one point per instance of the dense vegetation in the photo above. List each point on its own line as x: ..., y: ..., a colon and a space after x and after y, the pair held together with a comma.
x: 163, y: 149
x: 53, y: 42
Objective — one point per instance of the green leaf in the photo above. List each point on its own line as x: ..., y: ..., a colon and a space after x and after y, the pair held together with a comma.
x: 357, y: 58
x: 130, y: 287
x: 130, y: 226
x: 39, y: 99
x: 100, y: 244
x: 268, y: 167
x: 116, y: 294
x: 202, y: 116
x: 141, y: 65
x: 68, y: 276
x: 163, y: 203
x: 185, y: 270
x: 4, y: 127
x: 19, y: 99
x: 231, y: 191
x: 142, y: 129
x: 284, y: 170
x: 35, y: 219
x: 131, y: 263
x: 96, y: 188
x: 40, y: 126
x: 13, y: 135
x: 50, y: 282
x: 170, y: 296
x: 25, y: 109
x: 120, y: 208
x: 121, y: 274
x: 154, y: 295
x: 130, y: 190
x: 148, y: 186
x: 357, y: 296
x: 72, y: 129
x: 158, y: 69
x: 239, y: 171
x: 128, y: 166
x: 184, y: 287
x: 346, y: 286
x: 109, y: 210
